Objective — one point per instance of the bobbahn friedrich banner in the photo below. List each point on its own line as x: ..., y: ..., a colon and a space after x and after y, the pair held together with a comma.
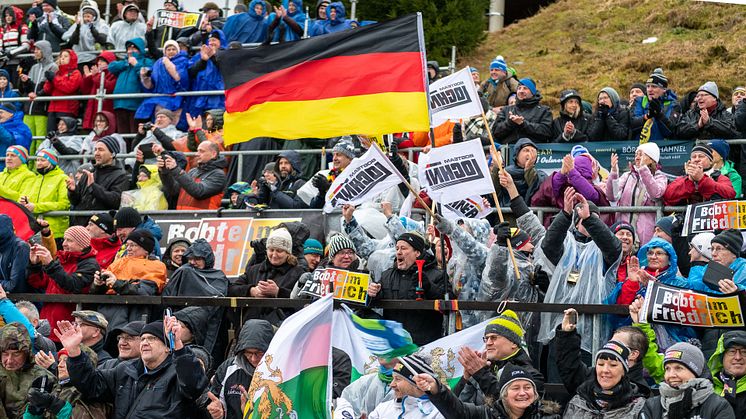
x: 671, y: 305
x: 711, y: 216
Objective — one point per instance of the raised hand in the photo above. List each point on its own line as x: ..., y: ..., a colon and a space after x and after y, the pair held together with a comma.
x: 70, y: 336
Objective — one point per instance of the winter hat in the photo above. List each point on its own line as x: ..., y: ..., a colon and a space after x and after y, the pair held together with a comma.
x: 52, y: 3
x: 578, y: 150
x: 637, y: 86
x: 174, y: 2
x: 155, y: 329
x: 169, y: 43
x: 312, y: 247
x: 528, y: 83
x: 657, y: 78
x: 615, y: 350
x: 710, y: 87
x: 269, y: 167
x: 183, y: 41
x: 473, y: 69
x: 111, y: 143
x: 511, y: 373
x: 92, y: 318
x: 665, y: 224
x: 49, y: 155
x: 240, y: 187
x: 19, y: 151
x: 523, y: 143
x: 702, y: 243
x: 721, y: 146
x: 78, y: 235
x: 165, y: 112
x: 104, y: 221
x: 240, y: 8
x: 280, y: 239
x: 411, y: 365
x: 209, y: 6
x: 414, y: 239
x: 687, y: 354
x: 499, y: 65
x: 568, y: 94
x: 734, y: 337
x: 623, y: 225
x: 518, y: 238
x: 339, y: 242
x: 127, y: 217
x: 613, y: 95
x: 738, y: 89
x: 143, y: 238
x: 508, y: 326
x: 703, y: 148
x: 345, y: 146
x: 731, y: 239
x: 651, y: 149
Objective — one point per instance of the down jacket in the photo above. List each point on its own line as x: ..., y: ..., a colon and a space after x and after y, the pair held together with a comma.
x: 66, y: 82
x: 638, y: 187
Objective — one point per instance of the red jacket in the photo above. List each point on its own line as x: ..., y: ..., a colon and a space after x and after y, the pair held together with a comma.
x: 71, y: 273
x: 682, y: 191
x: 106, y: 250
x: 66, y: 82
x: 90, y: 86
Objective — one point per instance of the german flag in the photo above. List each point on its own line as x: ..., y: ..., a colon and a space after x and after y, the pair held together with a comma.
x: 360, y: 81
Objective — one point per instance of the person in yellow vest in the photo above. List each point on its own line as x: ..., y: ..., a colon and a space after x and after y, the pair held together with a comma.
x: 16, y: 176
x: 48, y: 192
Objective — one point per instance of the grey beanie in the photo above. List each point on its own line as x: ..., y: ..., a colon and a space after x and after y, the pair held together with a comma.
x: 687, y: 354
x: 345, y: 146
x: 710, y: 87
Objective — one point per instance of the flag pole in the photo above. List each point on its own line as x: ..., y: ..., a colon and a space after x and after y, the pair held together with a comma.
x: 494, y: 194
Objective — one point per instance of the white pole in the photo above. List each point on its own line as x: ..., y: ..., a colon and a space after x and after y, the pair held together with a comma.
x: 497, y: 15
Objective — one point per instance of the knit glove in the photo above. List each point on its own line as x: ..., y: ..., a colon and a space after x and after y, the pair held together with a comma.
x: 321, y: 183
x: 502, y: 232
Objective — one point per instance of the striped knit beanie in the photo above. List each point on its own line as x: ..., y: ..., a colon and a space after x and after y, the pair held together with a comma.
x: 508, y: 326
x: 411, y: 365
x: 339, y: 242
x: 50, y: 155
x: 19, y: 151
x: 78, y: 235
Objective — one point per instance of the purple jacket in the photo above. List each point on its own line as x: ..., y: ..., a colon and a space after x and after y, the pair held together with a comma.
x: 622, y: 190
x: 579, y: 178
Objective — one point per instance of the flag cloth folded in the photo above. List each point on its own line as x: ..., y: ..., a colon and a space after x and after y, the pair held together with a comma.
x: 380, y: 338
x: 294, y: 375
x: 24, y: 223
x: 348, y: 339
x: 471, y: 207
x: 363, y: 81
x: 455, y: 172
x: 454, y: 98
x: 365, y: 177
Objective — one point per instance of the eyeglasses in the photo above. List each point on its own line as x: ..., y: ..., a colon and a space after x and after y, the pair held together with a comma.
x: 346, y: 252
x: 734, y: 351
x: 716, y: 248
x: 127, y: 338
x: 253, y: 354
x: 149, y: 339
x: 490, y: 338
x: 657, y: 254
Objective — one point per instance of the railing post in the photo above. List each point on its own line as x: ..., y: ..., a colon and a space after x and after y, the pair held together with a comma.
x: 101, y: 90
x: 239, y: 169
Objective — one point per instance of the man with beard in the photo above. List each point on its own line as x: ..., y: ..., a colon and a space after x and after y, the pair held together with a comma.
x: 283, y: 193
x: 527, y: 118
x: 102, y: 188
x: 200, y: 188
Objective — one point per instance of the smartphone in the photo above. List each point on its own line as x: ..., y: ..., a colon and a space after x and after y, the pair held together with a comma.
x: 35, y: 239
x: 168, y: 313
x: 147, y: 150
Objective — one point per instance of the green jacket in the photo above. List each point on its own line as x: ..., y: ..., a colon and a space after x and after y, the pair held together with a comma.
x: 715, y: 364
x: 653, y: 360
x: 48, y: 192
x: 733, y: 175
x: 12, y: 182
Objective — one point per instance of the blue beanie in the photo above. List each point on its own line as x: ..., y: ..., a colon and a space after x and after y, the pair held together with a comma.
x: 721, y: 146
x: 499, y: 64
x: 528, y: 83
x: 665, y: 224
x: 473, y: 70
x: 313, y: 247
x: 578, y: 150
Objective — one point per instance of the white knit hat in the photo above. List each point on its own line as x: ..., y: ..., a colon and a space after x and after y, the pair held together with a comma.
x: 701, y: 242
x: 280, y: 239
x: 651, y: 150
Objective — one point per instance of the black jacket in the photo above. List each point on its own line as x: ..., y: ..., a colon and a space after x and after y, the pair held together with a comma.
x: 104, y: 194
x: 452, y: 408
x: 164, y: 392
x: 285, y: 194
x: 537, y: 124
x: 285, y: 276
x: 713, y: 407
x: 424, y: 326
x: 610, y: 126
x: 582, y: 125
x: 606, y: 241
x: 484, y: 383
x: 721, y: 125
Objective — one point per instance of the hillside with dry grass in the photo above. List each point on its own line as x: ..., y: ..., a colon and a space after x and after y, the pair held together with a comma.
x: 589, y: 44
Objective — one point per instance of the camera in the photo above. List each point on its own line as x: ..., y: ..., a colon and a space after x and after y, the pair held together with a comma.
x: 147, y: 126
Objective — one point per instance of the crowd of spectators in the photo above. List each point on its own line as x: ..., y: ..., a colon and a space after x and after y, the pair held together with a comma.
x: 107, y: 361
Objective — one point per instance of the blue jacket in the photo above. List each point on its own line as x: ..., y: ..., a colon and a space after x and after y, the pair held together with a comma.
x: 128, y: 77
x: 659, y: 131
x: 14, y: 257
x: 150, y: 225
x: 8, y: 92
x: 207, y: 79
x: 14, y: 132
x: 287, y: 33
x: 247, y: 27
x: 330, y: 26
x: 164, y: 83
x: 10, y: 314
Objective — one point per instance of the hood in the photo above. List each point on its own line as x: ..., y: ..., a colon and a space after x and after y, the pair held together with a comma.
x: 299, y: 232
x: 71, y: 124
x: 138, y: 43
x: 715, y: 363
x: 642, y: 254
x: 15, y: 336
x: 166, y: 258
x: 613, y: 95
x: 298, y: 6
x: 201, y: 249
x: 255, y: 334
x: 196, y: 319
x: 221, y: 36
x: 251, y: 9
x: 584, y: 165
x: 480, y: 229
x: 341, y: 14
x: 92, y: 6
x: 155, y: 179
x: 6, y: 228
x: 295, y: 161
x: 46, y: 51
x: 217, y: 116
x: 72, y: 65
x: 112, y: 124
x: 108, y: 56
x: 124, y: 11
x: 522, y: 142
x: 17, y: 14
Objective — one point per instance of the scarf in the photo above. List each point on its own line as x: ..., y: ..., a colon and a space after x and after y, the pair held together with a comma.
x: 678, y: 402
x: 385, y: 374
x: 730, y: 386
x: 612, y: 398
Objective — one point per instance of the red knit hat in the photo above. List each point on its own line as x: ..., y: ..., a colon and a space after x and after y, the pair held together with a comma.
x: 78, y: 235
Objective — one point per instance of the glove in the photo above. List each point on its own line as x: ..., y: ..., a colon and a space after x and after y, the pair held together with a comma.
x: 41, y: 401
x: 603, y: 110
x: 655, y: 107
x: 443, y: 225
x: 321, y: 183
x: 49, y: 75
x: 502, y: 231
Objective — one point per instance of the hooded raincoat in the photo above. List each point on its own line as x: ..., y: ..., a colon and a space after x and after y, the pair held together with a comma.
x: 13, y: 132
x: 248, y: 27
x: 128, y: 76
x: 37, y: 79
x: 736, y: 386
x: 123, y: 32
x: 86, y: 39
x: 91, y: 85
x: 48, y: 192
x: 290, y: 27
x: 66, y: 82
x: 8, y: 92
x: 205, y: 75
x: 339, y: 23
x: 164, y: 83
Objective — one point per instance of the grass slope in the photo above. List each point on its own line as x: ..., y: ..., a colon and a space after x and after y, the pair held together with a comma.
x: 589, y: 44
